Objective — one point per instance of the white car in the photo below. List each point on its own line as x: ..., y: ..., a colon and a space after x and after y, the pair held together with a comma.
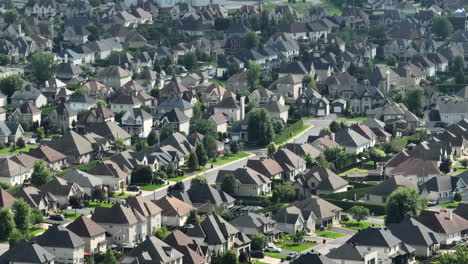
x: 32, y: 141
x: 273, y: 248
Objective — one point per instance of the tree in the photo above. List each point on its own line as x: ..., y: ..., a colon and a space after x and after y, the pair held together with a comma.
x: 222, y: 23
x: 11, y: 16
x: 75, y: 201
x: 201, y: 154
x: 193, y: 218
x: 254, y: 72
x: 376, y: 154
x: 152, y: 138
x: 98, y: 193
x: 460, y: 77
x: 41, y: 174
x: 202, y: 125
x: 189, y: 60
x: 22, y: 214
x: 445, y: 166
x: 442, y: 27
x: 271, y: 149
x: 336, y: 126
x: 283, y: 193
x: 119, y: 145
x: 310, y: 162
x: 464, y: 163
x: 36, y: 217
x: 391, y: 61
x: 298, y: 236
x: 17, y: 236
x: 166, y: 131
x: 4, y: 60
x: 322, y: 161
x: 43, y: 66
x: 397, y: 95
x: 211, y: 146
x: 229, y: 257
x: 109, y: 257
x: 229, y: 183
x: 20, y: 143
x: 142, y: 175
x: 258, y: 241
x: 234, y: 147
x: 199, y: 180
x: 404, y: 201
x: 162, y: 232
x: 260, y: 126
x: 7, y: 223
x: 458, y: 64
x: 192, y: 162
x: 40, y: 133
x: 11, y: 84
x: 459, y: 257
x: 251, y: 40
x: 457, y: 197
x: 359, y: 212
x: 415, y: 100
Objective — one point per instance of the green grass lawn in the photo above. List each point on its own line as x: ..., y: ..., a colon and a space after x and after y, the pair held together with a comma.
x: 224, y: 160
x: 355, y: 225
x: 36, y: 231
x: 46, y: 110
x: 354, y: 171
x: 275, y: 255
x: 356, y: 119
x: 459, y: 169
x: 151, y: 187
x: 83, y: 167
x: 295, y: 133
x: 222, y: 83
x: 331, y: 7
x: 122, y: 195
x: 298, y: 247
x: 94, y: 204
x: 187, y: 170
x: 329, y: 234
x: 8, y: 151
x: 452, y: 205
x: 72, y: 216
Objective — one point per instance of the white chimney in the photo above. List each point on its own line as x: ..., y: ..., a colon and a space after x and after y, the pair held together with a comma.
x: 242, y: 104
x: 450, y: 214
x: 65, y: 58
x: 332, y: 136
x: 387, y: 76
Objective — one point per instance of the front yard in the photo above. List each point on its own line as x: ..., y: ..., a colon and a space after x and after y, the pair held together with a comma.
x: 452, y: 205
x: 292, y: 246
x: 36, y: 231
x: 8, y: 151
x: 224, y: 160
x: 356, y: 226
x: 72, y: 216
x: 354, y: 119
x: 329, y: 234
x: 354, y: 171
x: 151, y: 187
x: 94, y: 204
x: 275, y: 255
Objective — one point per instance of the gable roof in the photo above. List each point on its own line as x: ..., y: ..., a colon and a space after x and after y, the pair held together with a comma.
x: 83, y: 226
x: 266, y: 166
x: 109, y: 130
x: 444, y: 221
x: 202, y: 193
x: 58, y: 236
x: 412, y: 232
x: 46, y: 153
x: 350, y: 138
x: 154, y: 250
x: 252, y: 220
x: 71, y: 143
x: 6, y: 199
x: 318, y: 206
x: 143, y: 206
x: 327, y: 179
x: 82, y: 178
x: 117, y: 214
x: 172, y: 206
x: 26, y: 252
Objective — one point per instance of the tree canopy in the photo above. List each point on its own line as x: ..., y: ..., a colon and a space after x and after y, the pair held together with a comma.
x: 260, y: 127
x: 43, y: 66
x: 442, y: 27
x: 41, y: 174
x: 404, y: 201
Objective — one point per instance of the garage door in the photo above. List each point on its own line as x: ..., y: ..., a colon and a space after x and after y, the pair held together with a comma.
x: 337, y: 109
x: 321, y: 112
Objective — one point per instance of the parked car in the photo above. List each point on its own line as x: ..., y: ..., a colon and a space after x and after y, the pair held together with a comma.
x: 133, y: 188
x: 292, y: 255
x: 273, y: 248
x: 257, y: 254
x: 57, y: 217
x: 344, y: 218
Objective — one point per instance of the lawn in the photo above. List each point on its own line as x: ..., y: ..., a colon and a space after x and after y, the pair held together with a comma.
x: 356, y: 119
x: 8, y: 151
x: 291, y: 246
x: 188, y: 170
x: 122, y: 195
x: 72, y: 216
x: 223, y: 84
x: 83, y: 167
x: 355, y: 225
x: 329, y: 234
x: 94, y: 204
x: 223, y: 160
x: 46, y: 110
x: 331, y: 7
x: 290, y: 132
x: 36, y: 231
x: 275, y: 255
x: 151, y: 187
x: 452, y: 205
x: 459, y: 169
x: 354, y: 171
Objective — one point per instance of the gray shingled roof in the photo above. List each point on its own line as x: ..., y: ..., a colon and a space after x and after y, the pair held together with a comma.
x: 26, y: 252
x: 58, y: 236
x: 412, y: 232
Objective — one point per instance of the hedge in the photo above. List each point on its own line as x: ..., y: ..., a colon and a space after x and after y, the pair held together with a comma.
x: 346, y: 205
x: 349, y: 195
x: 287, y: 132
x: 360, y: 185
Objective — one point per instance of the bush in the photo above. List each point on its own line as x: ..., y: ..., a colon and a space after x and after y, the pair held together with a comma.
x: 287, y: 132
x: 346, y: 205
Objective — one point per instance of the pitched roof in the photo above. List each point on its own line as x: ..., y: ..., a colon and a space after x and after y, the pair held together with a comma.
x: 444, y: 221
x: 418, y: 167
x: 391, y: 184
x: 46, y: 153
x: 154, y: 251
x: 285, y: 156
x: 327, y: 179
x: 9, y: 168
x: 28, y: 108
x: 312, y: 258
x: 108, y: 130
x: 214, y: 230
x: 202, y: 193
x: 71, y: 143
x: 58, y: 236
x: 6, y: 199
x: 244, y: 176
x: 26, y: 252
x: 143, y: 206
x: 117, y: 214
x: 252, y: 220
x: 350, y: 138
x: 412, y: 232
x: 58, y: 186
x: 319, y: 207
x: 82, y: 178
x: 172, y: 206
x: 83, y: 226
x: 376, y: 237
x: 268, y: 167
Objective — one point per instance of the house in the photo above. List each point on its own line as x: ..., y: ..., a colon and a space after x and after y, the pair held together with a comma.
x: 291, y: 163
x: 137, y: 122
x: 310, y: 102
x: 289, y: 86
x: 372, y: 245
x: 54, y: 159
x: 178, y: 120
x: 37, y: 199
x: 179, y: 143
x: 27, y: 113
x: 97, y: 90
x: 6, y: 199
x: 303, y: 149
x: 134, y: 160
x: 324, y: 213
x: 311, y: 257
x: 263, y: 96
x: 76, y: 35
x: 113, y: 76
x: 80, y: 102
x: 110, y: 131
x: 125, y: 226
x: 442, y: 189
x: 124, y: 102
x: 232, y: 108
x: 194, y: 79
x: 51, y: 88
x: 93, y: 235
x: 76, y: 147
x: 27, y: 252
x: 220, y: 121
x: 277, y: 111
x: 205, y: 198
x: 174, y: 211
x: 28, y: 95
x: 212, y: 94
x: 153, y: 250
x: 85, y: 180
x: 148, y: 210
x: 238, y: 82
x: 266, y: 166
x: 172, y: 89
x: 365, y: 98
x: 366, y: 132
x: 448, y: 225
x: 66, y: 246
x: 62, y: 190
x: 352, y: 141
x: 193, y: 252
x: 247, y: 182
x: 225, y: 236
x: 175, y: 103
x: 67, y: 71
x: 112, y: 174
x: 417, y: 170
x: 10, y: 131
x: 13, y: 173
x: 252, y: 223
x: 413, y: 233
x: 379, y: 193
x: 290, y: 220
x: 319, y: 181
x: 63, y: 117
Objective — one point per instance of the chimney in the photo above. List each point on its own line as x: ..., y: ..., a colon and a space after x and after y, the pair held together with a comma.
x: 242, y: 103
x: 332, y: 136
x: 450, y: 214
x: 65, y: 58
x: 387, y: 79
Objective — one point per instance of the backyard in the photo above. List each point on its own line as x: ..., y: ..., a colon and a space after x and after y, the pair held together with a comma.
x: 356, y: 226
x: 354, y: 171
x: 94, y: 204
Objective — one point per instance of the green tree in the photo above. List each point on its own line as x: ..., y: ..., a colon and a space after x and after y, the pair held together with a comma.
x: 201, y: 154
x: 442, y: 27
x: 11, y: 16
x: 458, y: 64
x: 7, y: 223
x: 229, y: 183
x: 142, y: 175
x: 229, y: 257
x: 166, y: 131
x: 464, y: 163
x: 397, y: 95
x: 202, y: 126
x: 254, y: 72
x: 298, y: 236
x: 310, y: 162
x: 189, y: 60
x: 359, y: 212
x: 234, y: 147
x: 460, y: 77
x: 20, y: 143
x: 445, y: 166
x: 404, y: 201
x: 193, y: 218
x: 459, y: 257
x: 199, y: 180
x: 271, y: 149
x: 258, y: 241
x: 40, y: 133
x: 415, y: 100
x: 457, y: 197
x: 41, y: 174
x: 17, y: 236
x: 119, y: 145
x: 22, y: 214
x: 251, y: 40
x: 391, y: 61
x: 192, y: 162
x: 11, y: 84
x: 43, y: 66
x: 322, y: 161
x: 211, y: 146
x: 162, y: 232
x: 283, y: 193
x: 109, y: 257
x: 375, y: 155
x: 260, y: 126
x: 152, y: 138
x: 4, y: 60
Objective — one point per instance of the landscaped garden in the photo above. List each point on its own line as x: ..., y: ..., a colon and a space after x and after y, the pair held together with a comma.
x: 356, y: 226
x: 329, y: 234
x: 94, y: 204
x: 354, y: 171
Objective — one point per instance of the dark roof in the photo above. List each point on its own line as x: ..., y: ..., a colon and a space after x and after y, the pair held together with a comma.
x: 444, y: 221
x: 348, y: 252
x: 153, y: 250
x: 391, y: 184
x: 26, y: 252
x: 117, y: 214
x: 83, y: 226
x: 252, y: 220
x: 374, y: 237
x: 327, y: 179
x: 313, y: 258
x: 412, y: 232
x: 59, y: 237
x: 6, y: 199
x: 202, y: 193
x: 317, y: 206
x: 60, y: 187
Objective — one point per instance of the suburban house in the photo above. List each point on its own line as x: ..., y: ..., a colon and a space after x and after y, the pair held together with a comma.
x: 13, y: 172
x: 62, y: 190
x: 42, y: 201
x: 416, y: 170
x: 27, y: 113
x: 266, y: 166
x: 317, y: 181
x: 178, y: 120
x: 110, y: 131
x: 113, y: 76
x: 352, y: 141
x: 323, y: 212
x: 76, y: 147
x: 16, y: 254
x: 220, y: 121
x: 379, y: 193
x: 28, y: 95
x: 63, y: 117
x: 148, y: 210
x: 291, y: 163
x: 174, y: 211
x: 153, y: 250
x: 110, y: 173
x: 193, y: 252
x: 290, y: 220
x: 85, y: 180
x: 247, y: 182
x: 233, y: 109
x: 93, y: 235
x: 137, y: 122
x: 290, y: 87
x: 277, y: 111
x: 54, y: 159
x: 80, y: 102
x: 252, y: 223
x: 66, y: 246
x: 447, y: 224
x: 442, y: 189
x: 204, y: 197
